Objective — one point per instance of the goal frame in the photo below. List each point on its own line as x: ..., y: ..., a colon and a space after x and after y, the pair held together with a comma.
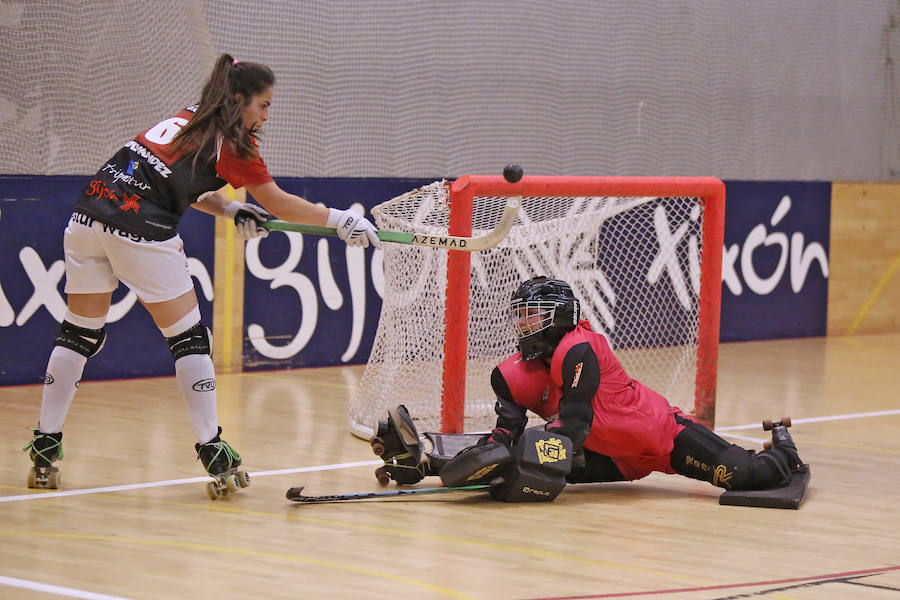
x: 709, y: 190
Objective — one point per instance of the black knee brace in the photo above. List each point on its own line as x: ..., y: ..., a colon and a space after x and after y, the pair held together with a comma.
x: 701, y: 454
x: 196, y: 340
x: 86, y: 342
x: 597, y: 468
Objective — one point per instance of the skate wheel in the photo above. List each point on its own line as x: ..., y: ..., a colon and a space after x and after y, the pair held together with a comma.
x: 786, y: 421
x: 767, y: 425
x: 54, y: 479
x: 32, y: 478
x: 767, y: 445
x: 377, y: 446
x: 212, y: 490
x: 382, y: 476
x: 231, y: 483
x: 243, y: 478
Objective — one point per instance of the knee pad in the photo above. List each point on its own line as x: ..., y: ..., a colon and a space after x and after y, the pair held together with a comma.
x: 196, y: 340
x: 597, y: 468
x: 737, y: 468
x: 86, y: 342
x: 701, y: 454
x: 696, y: 451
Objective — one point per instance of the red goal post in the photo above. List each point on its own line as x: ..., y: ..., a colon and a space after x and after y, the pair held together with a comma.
x: 643, y: 254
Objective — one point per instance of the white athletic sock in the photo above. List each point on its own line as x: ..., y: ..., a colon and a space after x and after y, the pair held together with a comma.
x: 196, y: 379
x: 64, y: 371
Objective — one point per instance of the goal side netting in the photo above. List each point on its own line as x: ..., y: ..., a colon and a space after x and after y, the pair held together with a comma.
x: 643, y: 254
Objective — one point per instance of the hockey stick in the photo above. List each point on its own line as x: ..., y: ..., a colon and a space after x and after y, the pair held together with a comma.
x: 449, y: 242
x: 295, y: 495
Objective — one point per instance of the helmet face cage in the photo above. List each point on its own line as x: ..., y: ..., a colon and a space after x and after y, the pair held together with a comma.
x: 542, y: 311
x: 531, y: 316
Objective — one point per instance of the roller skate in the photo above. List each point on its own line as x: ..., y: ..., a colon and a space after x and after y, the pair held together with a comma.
x: 221, y: 461
x: 397, y: 443
x: 782, y: 440
x: 45, y: 449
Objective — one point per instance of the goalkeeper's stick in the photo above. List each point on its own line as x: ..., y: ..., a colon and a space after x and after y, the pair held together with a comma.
x: 295, y: 495
x: 448, y: 242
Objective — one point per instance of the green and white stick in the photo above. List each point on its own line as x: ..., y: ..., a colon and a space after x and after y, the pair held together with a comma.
x: 447, y: 242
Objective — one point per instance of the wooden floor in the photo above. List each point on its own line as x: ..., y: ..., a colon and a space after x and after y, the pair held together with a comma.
x: 157, y: 535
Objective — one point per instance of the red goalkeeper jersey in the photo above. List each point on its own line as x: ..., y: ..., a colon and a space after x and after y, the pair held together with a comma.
x: 623, y: 419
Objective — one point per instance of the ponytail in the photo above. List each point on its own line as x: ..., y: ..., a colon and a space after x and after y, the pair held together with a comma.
x: 219, y: 112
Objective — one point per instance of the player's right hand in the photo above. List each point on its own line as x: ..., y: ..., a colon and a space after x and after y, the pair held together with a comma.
x: 248, y: 219
x: 353, y: 228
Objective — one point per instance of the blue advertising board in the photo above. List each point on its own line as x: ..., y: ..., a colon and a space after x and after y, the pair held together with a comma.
x: 34, y: 212
x: 308, y: 301
x: 775, y: 260
x: 311, y: 301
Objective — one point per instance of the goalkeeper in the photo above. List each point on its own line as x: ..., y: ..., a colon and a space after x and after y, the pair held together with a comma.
x: 620, y: 429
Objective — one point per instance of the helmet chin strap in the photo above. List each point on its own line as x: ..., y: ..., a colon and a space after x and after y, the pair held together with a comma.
x: 541, y: 344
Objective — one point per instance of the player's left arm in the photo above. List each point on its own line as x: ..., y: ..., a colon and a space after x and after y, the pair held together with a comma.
x: 248, y: 218
x: 580, y: 381
x: 511, y: 418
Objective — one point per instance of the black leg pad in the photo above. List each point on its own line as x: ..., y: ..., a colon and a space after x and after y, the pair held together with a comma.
x: 787, y: 496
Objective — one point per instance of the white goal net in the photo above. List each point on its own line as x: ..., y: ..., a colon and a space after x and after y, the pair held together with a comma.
x: 634, y: 262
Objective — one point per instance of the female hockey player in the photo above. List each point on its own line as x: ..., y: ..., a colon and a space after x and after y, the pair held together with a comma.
x: 124, y: 228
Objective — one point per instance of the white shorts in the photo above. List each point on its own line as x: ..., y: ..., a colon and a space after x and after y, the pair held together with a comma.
x: 98, y: 256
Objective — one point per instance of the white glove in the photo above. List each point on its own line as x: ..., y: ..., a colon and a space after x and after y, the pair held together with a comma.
x: 353, y: 228
x: 248, y: 219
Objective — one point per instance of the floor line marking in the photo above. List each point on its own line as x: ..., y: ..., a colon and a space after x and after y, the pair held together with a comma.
x: 152, y: 484
x: 54, y: 589
x: 880, y: 413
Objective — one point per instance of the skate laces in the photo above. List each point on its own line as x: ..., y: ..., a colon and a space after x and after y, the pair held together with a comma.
x: 221, y: 446
x: 395, y: 462
x: 47, y: 452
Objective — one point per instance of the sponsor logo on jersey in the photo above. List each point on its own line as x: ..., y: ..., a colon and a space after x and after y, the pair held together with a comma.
x: 550, y: 451
x: 130, y: 202
x: 577, y: 376
x: 98, y: 189
x: 127, y: 177
x: 152, y: 159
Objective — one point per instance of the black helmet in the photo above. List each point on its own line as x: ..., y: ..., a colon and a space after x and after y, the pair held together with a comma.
x: 542, y: 311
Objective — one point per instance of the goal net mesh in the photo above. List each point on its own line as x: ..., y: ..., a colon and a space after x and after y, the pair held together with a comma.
x: 633, y: 262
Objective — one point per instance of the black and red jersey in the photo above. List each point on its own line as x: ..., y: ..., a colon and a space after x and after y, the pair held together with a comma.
x: 147, y: 185
x: 593, y: 401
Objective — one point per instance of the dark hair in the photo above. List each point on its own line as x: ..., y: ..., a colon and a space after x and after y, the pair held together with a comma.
x: 219, y: 112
